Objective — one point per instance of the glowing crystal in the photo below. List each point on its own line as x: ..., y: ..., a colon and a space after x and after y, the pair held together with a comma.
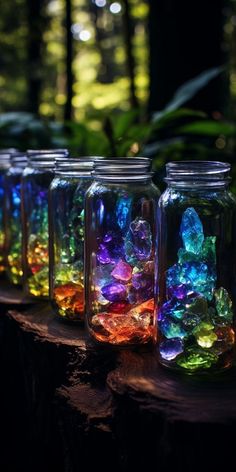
x: 122, y: 271
x: 191, y: 230
x: 123, y: 208
x: 114, y: 292
x: 171, y: 329
x: 204, y: 334
x: 223, y: 304
x: 138, y: 241
x: 171, y: 348
x: 225, y: 339
x: 111, y: 248
x: 196, y: 358
x: 70, y: 300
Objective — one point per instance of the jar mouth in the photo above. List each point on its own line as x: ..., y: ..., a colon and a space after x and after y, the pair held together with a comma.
x: 19, y: 159
x: 198, y: 173
x: 41, y: 152
x: 5, y: 157
x: 76, y: 164
x: 123, y: 168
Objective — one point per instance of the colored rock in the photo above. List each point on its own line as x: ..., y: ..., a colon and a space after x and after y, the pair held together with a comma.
x: 171, y: 348
x: 225, y: 339
x: 138, y: 241
x: 114, y: 292
x: 122, y: 271
x: 196, y: 358
x: 208, y: 252
x: 123, y: 329
x: 70, y: 300
x: 123, y: 208
x: 142, y: 287
x: 110, y: 249
x: 190, y: 321
x: 198, y: 306
x: 103, y: 255
x: 191, y: 230
x: 171, y: 329
x: 223, y: 304
x: 177, y: 291
x: 205, y: 335
x: 196, y: 275
x: 119, y: 307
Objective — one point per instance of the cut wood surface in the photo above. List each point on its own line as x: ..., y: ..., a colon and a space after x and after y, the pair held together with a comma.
x: 65, y: 404
x: 12, y: 295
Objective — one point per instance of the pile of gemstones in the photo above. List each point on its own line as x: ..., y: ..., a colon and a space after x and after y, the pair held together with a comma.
x: 68, y: 283
x: 14, y: 249
x: 123, y: 282
x: 37, y: 251
x: 195, y: 323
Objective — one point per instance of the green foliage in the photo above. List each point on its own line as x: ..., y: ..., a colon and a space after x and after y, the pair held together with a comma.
x: 173, y: 133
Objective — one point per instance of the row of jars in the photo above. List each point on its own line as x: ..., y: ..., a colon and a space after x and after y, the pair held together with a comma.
x: 95, y: 235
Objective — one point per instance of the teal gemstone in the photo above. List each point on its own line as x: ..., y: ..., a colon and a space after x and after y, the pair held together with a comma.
x: 191, y: 230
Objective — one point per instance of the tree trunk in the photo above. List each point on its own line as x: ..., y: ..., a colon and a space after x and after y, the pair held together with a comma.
x: 186, y: 39
x: 69, y: 59
x: 36, y: 24
x: 67, y: 405
x: 128, y: 34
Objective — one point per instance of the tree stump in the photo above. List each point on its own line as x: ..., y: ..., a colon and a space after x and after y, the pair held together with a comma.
x: 65, y: 404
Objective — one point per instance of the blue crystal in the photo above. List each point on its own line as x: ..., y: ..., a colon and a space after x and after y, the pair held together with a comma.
x: 191, y: 230
x: 171, y: 329
x: 197, y: 276
x: 171, y: 348
x: 123, y: 208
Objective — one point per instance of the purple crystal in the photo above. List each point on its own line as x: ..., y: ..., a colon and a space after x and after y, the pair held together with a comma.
x: 122, y: 271
x: 111, y: 248
x: 103, y: 255
x: 107, y: 238
x: 138, y: 241
x: 142, y: 287
x: 141, y: 280
x: 171, y: 348
x: 114, y: 292
x: 178, y: 291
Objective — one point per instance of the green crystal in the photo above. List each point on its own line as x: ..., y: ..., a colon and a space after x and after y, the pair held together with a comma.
x: 223, y: 304
x: 196, y: 358
x: 209, y: 250
x: 205, y: 335
x: 198, y: 307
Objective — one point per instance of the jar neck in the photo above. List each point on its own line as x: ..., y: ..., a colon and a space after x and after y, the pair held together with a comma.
x: 123, y: 169
x: 196, y: 175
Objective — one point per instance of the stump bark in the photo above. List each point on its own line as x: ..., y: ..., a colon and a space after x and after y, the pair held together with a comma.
x: 66, y: 405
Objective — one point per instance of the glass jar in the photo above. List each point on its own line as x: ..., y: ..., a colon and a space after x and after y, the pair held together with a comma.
x: 36, y: 180
x: 13, y: 222
x: 66, y: 229
x: 4, y: 166
x: 120, y: 235
x: 196, y: 260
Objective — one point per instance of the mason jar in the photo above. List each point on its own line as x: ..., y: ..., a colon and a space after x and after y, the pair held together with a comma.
x: 66, y: 229
x: 5, y: 155
x: 36, y: 180
x: 120, y: 237
x: 196, y: 268
x: 13, y: 221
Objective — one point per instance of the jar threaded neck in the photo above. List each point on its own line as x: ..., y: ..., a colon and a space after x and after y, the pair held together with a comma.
x: 198, y: 173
